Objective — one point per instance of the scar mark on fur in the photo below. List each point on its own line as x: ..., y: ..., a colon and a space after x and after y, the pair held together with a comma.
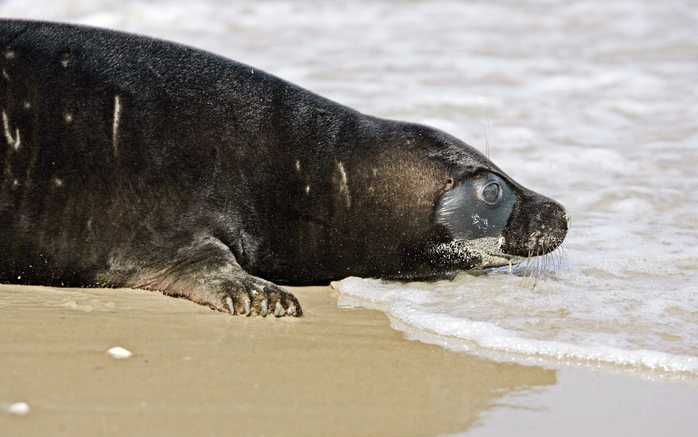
x: 344, y: 184
x: 115, y: 125
x: 65, y: 59
x: 5, y: 75
x: 14, y: 141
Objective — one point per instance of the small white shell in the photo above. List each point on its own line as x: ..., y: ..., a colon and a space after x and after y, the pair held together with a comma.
x: 19, y: 408
x: 119, y: 353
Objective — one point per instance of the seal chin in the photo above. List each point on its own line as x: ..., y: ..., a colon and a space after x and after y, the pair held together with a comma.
x: 474, y: 254
x: 489, y: 251
x: 494, y: 260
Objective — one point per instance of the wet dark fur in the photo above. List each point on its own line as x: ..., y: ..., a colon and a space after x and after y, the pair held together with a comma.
x: 219, y: 174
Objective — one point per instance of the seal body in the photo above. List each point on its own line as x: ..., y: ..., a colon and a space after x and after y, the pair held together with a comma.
x: 131, y: 161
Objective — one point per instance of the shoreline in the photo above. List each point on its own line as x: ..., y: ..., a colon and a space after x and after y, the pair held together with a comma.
x: 343, y: 372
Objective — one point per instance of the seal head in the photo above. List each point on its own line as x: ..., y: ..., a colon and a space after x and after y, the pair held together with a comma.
x: 489, y: 219
x: 496, y: 221
x: 404, y: 201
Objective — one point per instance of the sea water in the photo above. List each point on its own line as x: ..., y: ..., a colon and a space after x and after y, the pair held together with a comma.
x: 593, y: 103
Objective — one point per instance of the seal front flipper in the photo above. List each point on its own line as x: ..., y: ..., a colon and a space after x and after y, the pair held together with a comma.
x: 207, y: 273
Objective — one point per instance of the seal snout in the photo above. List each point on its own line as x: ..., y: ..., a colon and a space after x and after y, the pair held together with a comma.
x: 538, y: 225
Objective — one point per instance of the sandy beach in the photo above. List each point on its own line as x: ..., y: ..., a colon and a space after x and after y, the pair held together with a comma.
x: 341, y: 372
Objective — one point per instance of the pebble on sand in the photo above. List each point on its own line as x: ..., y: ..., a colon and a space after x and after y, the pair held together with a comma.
x: 119, y: 353
x: 18, y: 408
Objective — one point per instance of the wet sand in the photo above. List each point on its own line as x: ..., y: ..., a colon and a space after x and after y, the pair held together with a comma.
x: 339, y: 372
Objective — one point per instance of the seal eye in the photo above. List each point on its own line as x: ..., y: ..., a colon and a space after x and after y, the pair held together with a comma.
x: 491, y: 193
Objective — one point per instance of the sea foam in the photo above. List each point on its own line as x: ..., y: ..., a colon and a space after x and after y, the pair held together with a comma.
x: 441, y: 312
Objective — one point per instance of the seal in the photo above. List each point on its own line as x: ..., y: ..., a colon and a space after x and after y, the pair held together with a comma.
x: 129, y: 161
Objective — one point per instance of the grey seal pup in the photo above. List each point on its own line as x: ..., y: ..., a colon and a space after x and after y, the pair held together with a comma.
x: 129, y: 161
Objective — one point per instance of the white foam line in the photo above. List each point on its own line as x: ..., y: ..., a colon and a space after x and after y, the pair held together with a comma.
x: 489, y: 336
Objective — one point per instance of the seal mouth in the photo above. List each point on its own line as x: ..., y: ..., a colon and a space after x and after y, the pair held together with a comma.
x: 489, y: 252
x: 495, y: 260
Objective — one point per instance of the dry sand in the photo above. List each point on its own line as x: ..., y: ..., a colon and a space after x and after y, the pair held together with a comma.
x: 194, y: 372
